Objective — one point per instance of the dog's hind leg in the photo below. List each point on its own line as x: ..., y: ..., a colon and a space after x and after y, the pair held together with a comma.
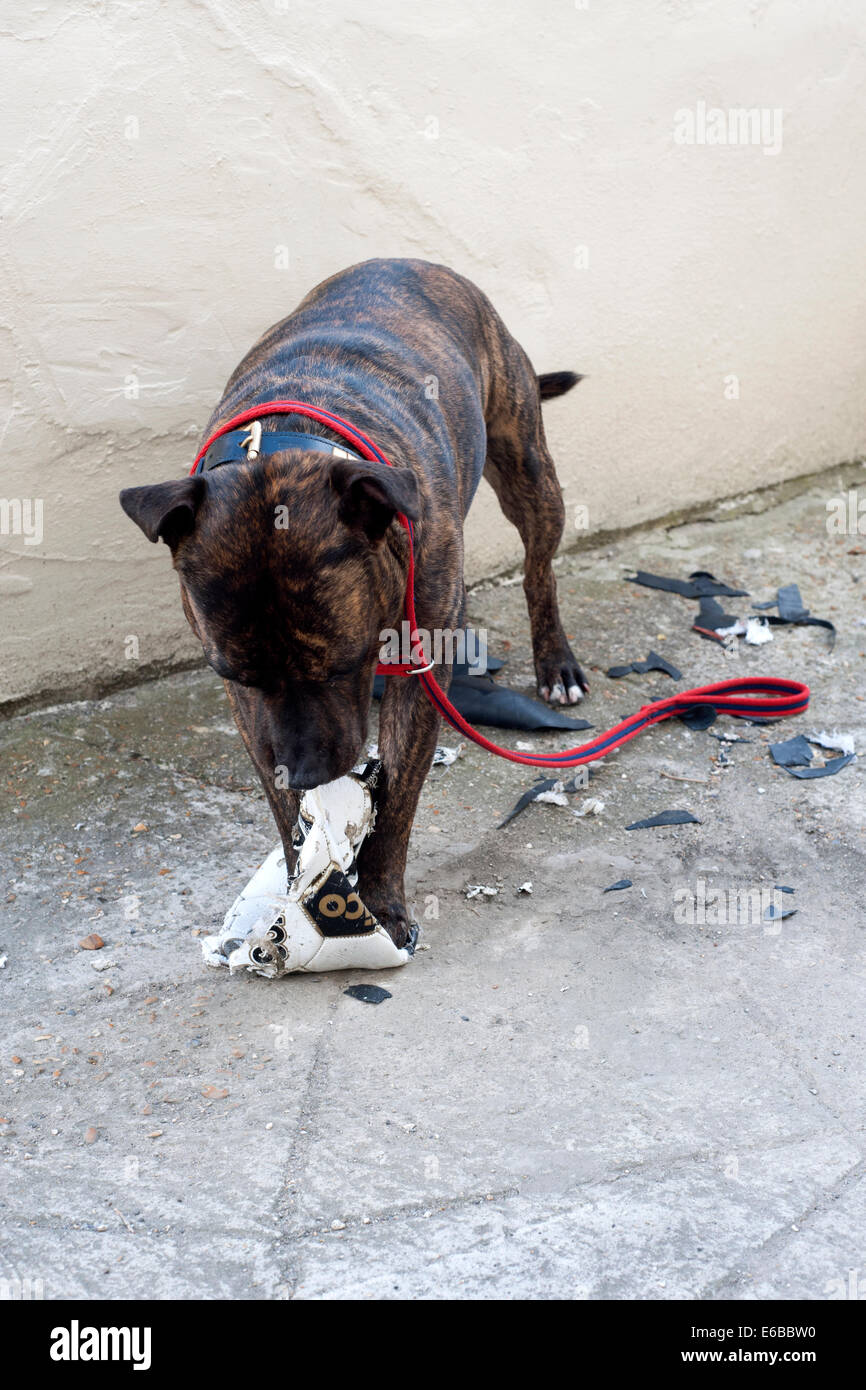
x: 520, y: 470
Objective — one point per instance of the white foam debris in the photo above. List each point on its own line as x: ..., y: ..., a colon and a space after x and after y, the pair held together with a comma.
x: 444, y: 756
x: 842, y: 743
x: 758, y: 631
x: 555, y: 796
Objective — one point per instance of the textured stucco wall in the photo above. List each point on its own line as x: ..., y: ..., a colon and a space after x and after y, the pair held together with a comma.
x: 176, y: 176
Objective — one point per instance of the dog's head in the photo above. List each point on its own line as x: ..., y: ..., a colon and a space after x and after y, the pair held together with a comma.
x: 289, y: 571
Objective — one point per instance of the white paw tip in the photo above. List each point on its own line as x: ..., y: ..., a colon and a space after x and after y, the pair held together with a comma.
x: 575, y: 694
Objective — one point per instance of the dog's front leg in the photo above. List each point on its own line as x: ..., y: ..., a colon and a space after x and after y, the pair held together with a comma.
x: 408, y: 726
x: 283, y: 801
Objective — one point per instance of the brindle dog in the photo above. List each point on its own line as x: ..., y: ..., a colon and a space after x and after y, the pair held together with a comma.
x: 291, y: 615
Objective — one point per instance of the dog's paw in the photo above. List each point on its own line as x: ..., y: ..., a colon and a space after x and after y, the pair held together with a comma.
x: 390, y: 911
x: 560, y: 679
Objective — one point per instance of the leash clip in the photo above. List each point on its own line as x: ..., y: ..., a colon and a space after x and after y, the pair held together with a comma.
x: 420, y: 670
x: 252, y: 442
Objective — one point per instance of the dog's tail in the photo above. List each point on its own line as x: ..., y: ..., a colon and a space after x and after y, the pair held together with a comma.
x: 552, y: 384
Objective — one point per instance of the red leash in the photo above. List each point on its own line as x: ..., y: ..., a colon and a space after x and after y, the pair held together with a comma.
x: 778, y: 698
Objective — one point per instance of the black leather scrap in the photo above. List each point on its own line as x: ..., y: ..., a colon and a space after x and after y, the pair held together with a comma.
x: 778, y: 914
x: 829, y: 769
x: 699, y: 717
x: 795, y: 756
x: 544, y: 784
x: 791, y: 608
x: 792, y: 612
x: 711, y: 617
x: 481, y: 701
x: 665, y: 818
x: 698, y: 584
x: 794, y: 752
x: 654, y: 662
x: 368, y: 994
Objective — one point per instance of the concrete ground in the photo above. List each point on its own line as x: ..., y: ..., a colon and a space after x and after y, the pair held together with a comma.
x: 569, y: 1094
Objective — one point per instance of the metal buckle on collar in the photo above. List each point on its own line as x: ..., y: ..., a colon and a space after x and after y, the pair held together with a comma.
x: 252, y: 442
x: 420, y: 670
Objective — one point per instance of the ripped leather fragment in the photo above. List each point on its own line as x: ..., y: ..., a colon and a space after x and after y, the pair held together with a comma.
x: 654, y: 662
x: 665, y: 818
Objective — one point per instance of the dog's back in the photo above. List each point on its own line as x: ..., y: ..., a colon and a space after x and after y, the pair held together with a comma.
x: 400, y: 347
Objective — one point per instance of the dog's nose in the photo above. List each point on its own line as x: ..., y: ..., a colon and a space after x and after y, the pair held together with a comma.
x: 302, y: 768
x: 302, y: 776
x: 302, y: 781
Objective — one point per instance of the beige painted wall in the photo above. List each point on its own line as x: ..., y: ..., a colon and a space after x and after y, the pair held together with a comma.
x: 162, y: 161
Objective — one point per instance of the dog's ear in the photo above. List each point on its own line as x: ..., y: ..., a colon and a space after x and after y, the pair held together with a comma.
x: 371, y: 494
x: 165, y: 510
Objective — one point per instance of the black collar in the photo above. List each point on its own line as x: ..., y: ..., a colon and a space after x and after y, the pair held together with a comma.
x: 240, y: 446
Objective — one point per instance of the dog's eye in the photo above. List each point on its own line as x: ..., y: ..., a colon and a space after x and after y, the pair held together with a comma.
x: 245, y: 678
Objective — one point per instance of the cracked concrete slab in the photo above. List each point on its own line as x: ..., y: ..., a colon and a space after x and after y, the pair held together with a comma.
x: 655, y: 1233
x: 569, y: 1093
